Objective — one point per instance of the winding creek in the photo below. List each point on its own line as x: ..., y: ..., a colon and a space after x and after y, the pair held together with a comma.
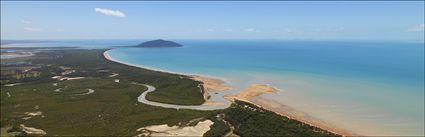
x: 214, y: 97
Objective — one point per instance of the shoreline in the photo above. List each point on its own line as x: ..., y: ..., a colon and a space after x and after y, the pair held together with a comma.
x: 209, y: 83
x: 250, y: 95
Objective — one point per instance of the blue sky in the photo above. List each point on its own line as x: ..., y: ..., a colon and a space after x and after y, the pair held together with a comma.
x: 350, y: 20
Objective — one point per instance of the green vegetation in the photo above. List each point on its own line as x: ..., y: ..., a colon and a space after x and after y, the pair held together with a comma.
x: 111, y: 110
x: 219, y: 128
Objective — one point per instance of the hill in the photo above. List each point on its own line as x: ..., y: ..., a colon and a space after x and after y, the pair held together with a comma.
x: 158, y: 44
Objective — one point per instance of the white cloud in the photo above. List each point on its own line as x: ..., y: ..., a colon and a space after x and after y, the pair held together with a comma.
x: 32, y: 29
x: 109, y: 12
x: 420, y: 27
x: 26, y: 22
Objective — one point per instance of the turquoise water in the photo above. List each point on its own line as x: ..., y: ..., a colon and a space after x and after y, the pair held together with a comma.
x: 372, y: 88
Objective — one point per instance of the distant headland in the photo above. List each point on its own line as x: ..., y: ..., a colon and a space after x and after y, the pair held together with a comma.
x: 159, y: 43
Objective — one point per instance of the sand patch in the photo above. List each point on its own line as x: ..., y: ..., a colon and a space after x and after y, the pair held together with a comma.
x: 89, y: 91
x: 117, y: 80
x: 113, y: 75
x: 73, y: 78
x: 165, y: 130
x: 8, y: 94
x: 252, y: 91
x: 58, y: 90
x: 11, y: 85
x: 66, y: 72
x: 26, y: 118
x: 55, y: 84
x: 61, y: 78
x: 31, y: 130
x: 213, y: 103
x: 38, y: 113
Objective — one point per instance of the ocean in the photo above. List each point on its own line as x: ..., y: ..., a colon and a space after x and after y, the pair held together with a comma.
x: 368, y: 87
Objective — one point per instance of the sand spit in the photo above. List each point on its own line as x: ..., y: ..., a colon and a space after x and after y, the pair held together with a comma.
x: 165, y: 130
x: 252, y: 91
x: 31, y: 130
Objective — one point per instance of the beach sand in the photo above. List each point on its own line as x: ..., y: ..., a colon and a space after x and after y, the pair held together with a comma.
x: 252, y: 91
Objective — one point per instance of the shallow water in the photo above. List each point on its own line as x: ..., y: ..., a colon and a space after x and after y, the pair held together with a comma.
x: 372, y: 88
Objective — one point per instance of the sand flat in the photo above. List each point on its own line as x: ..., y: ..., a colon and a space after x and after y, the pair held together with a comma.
x: 252, y: 91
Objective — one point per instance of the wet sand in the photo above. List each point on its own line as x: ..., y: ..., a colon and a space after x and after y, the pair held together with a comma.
x: 252, y: 91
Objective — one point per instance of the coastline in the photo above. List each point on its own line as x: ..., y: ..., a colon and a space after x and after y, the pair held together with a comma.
x: 209, y: 83
x: 292, y: 113
x: 250, y: 95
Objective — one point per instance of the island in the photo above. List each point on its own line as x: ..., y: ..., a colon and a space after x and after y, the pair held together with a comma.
x: 159, y: 43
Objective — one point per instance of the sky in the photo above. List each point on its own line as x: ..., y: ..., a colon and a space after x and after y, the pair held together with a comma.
x: 308, y: 20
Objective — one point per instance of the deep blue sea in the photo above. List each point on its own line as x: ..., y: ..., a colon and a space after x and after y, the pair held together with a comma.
x: 372, y: 88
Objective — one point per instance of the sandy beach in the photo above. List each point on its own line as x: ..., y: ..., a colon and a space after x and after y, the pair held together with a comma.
x: 252, y: 95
